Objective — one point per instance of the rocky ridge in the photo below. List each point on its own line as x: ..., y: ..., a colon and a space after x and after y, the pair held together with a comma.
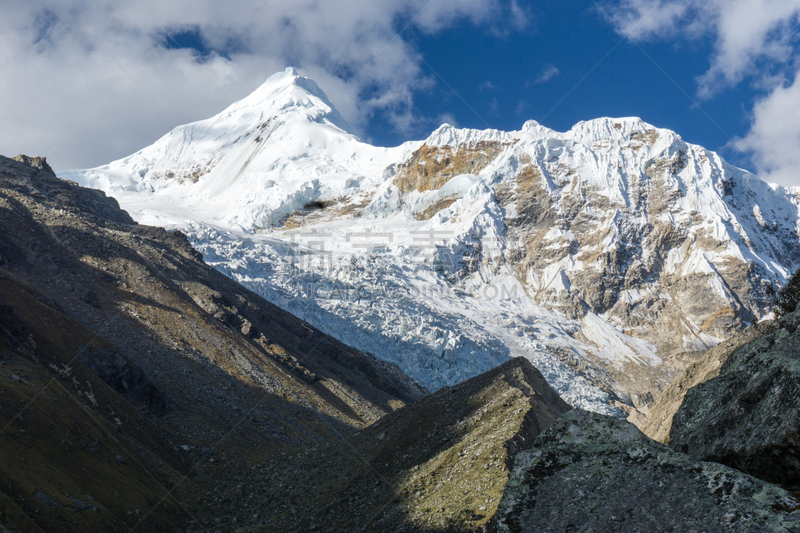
x: 440, y: 464
x: 748, y: 416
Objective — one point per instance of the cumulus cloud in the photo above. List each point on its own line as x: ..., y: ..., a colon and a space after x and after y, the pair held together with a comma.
x: 774, y: 136
x: 755, y: 40
x: 751, y: 36
x: 645, y: 19
x: 86, y: 82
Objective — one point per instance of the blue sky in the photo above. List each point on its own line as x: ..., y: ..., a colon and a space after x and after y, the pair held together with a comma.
x: 486, y: 80
x: 86, y: 83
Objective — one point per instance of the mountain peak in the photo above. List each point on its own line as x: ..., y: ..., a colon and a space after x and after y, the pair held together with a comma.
x: 291, y: 78
x: 288, y: 91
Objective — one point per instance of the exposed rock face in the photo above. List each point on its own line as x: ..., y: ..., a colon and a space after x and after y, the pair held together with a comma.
x: 441, y: 464
x: 748, y: 416
x: 430, y: 167
x: 622, y: 227
x: 658, y: 421
x: 656, y: 247
x: 118, y: 344
x: 589, y: 472
x: 627, y: 221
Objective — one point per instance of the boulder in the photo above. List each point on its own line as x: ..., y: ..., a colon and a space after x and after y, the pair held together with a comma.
x: 590, y: 472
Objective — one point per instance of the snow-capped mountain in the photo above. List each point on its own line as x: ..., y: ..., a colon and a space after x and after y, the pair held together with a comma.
x: 270, y: 152
x: 602, y: 254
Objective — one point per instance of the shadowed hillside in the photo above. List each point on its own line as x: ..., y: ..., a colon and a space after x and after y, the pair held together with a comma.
x: 133, y: 375
x: 440, y: 464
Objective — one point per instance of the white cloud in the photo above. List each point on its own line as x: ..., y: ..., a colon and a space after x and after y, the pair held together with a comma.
x: 755, y: 40
x: 774, y: 136
x: 645, y: 19
x: 487, y: 86
x: 494, y: 107
x: 447, y: 118
x: 747, y: 33
x: 520, y: 16
x: 548, y: 73
x: 94, y: 81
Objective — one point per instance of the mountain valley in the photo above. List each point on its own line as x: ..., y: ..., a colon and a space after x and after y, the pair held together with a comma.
x: 262, y: 323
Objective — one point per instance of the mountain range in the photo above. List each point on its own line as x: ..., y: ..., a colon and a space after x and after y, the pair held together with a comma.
x: 609, y: 255
x: 141, y: 389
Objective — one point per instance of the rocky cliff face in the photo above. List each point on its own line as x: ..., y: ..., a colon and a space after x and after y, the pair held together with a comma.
x: 133, y: 375
x: 748, y: 416
x: 589, y: 472
x: 625, y: 220
x: 617, y: 223
x: 658, y: 420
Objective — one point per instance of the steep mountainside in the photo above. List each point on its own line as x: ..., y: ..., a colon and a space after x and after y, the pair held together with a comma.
x: 748, y: 416
x: 133, y: 376
x: 658, y: 420
x: 605, y: 254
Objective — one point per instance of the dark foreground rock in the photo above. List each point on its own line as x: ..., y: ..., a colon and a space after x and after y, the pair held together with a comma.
x: 748, y: 416
x: 660, y: 413
x: 591, y: 473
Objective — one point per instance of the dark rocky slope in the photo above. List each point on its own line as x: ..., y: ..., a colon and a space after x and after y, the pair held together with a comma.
x: 739, y: 404
x: 658, y: 420
x: 134, y: 376
x: 592, y: 473
x: 748, y: 416
x: 440, y: 464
